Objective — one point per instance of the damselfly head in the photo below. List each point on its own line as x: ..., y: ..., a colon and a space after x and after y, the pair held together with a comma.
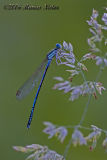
x: 58, y: 46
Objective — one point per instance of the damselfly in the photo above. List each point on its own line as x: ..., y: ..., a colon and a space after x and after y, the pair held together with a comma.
x: 32, y: 81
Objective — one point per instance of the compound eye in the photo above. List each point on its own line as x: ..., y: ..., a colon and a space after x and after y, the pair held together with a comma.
x: 58, y: 46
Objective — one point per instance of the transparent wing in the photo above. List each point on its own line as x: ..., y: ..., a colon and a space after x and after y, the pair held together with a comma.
x: 27, y: 87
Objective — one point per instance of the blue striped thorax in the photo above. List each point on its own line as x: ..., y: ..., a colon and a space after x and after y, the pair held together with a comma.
x: 51, y: 54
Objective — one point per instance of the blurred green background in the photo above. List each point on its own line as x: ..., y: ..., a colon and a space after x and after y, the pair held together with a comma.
x: 25, y: 39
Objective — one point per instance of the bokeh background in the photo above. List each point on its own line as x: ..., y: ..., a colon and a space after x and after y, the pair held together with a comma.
x: 25, y: 39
